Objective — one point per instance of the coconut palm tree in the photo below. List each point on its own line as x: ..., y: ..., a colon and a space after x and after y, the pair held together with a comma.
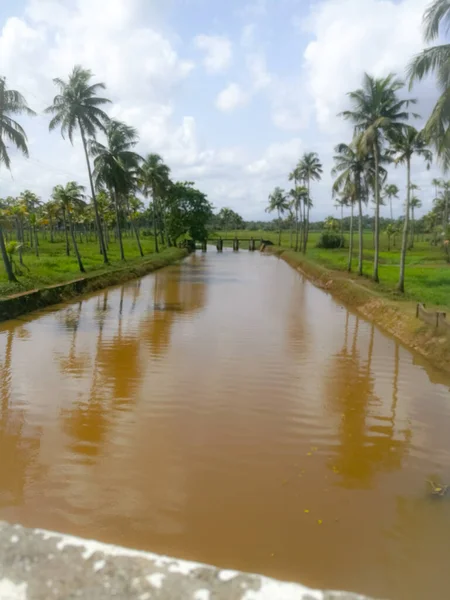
x: 12, y: 103
x: 76, y: 107
x: 69, y: 199
x: 351, y: 165
x: 309, y: 169
x: 154, y: 179
x: 415, y: 203
x: 438, y: 184
x: 116, y: 166
x: 377, y: 112
x: 391, y: 191
x: 436, y: 59
x: 278, y: 202
x: 406, y: 143
x: 298, y: 196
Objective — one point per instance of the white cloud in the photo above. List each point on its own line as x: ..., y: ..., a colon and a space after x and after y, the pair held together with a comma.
x: 232, y: 97
x: 256, y: 65
x: 354, y: 36
x: 218, y: 52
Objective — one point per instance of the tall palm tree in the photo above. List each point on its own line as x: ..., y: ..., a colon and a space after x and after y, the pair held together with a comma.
x: 69, y: 198
x: 438, y: 184
x: 154, y: 179
x: 405, y: 143
x: 436, y: 59
x: 77, y: 107
x: 310, y: 169
x: 391, y: 191
x: 298, y: 195
x: 116, y: 166
x: 377, y: 112
x: 415, y: 203
x: 351, y: 165
x: 278, y: 202
x: 12, y: 103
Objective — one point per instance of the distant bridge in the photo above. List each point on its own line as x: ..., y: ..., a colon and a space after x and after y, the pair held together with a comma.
x: 251, y: 243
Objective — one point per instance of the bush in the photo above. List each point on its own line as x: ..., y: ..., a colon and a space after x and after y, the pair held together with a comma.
x: 330, y: 239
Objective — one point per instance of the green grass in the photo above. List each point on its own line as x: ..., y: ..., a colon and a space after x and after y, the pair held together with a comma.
x: 427, y: 272
x: 53, y: 266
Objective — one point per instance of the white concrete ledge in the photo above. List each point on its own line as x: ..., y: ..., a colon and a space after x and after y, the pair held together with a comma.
x: 41, y: 565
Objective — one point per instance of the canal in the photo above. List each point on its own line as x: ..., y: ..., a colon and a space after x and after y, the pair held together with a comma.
x: 224, y: 410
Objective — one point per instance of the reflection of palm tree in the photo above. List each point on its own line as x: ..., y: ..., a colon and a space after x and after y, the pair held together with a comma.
x: 74, y: 364
x: 87, y: 422
x: 19, y: 443
x: 365, y: 447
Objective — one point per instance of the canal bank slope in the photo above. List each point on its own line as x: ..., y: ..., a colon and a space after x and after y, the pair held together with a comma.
x: 396, y: 317
x: 28, y: 301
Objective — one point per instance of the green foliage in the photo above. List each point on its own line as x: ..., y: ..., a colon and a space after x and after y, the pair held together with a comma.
x: 188, y: 212
x: 329, y: 240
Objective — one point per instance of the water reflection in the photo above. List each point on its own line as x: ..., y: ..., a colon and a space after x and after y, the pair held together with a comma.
x: 19, y: 441
x: 218, y: 410
x: 369, y: 441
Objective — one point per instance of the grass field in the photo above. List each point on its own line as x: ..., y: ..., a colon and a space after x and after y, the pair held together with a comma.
x: 53, y: 266
x: 427, y: 272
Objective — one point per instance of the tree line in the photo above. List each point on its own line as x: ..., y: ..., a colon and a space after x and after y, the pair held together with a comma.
x: 380, y: 115
x: 116, y: 173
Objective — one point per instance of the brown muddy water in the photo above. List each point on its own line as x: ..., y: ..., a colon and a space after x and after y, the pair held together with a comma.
x: 226, y: 411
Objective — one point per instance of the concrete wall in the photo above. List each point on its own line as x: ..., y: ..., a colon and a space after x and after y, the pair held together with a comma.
x: 40, y: 565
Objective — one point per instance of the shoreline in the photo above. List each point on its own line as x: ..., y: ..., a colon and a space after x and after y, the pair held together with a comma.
x: 31, y: 300
x: 395, y: 317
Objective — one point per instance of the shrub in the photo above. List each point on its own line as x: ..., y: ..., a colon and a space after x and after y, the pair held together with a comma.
x: 330, y: 239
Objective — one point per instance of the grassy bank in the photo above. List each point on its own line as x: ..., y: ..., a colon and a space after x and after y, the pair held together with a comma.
x: 427, y: 272
x: 395, y: 315
x: 12, y: 306
x: 53, y: 266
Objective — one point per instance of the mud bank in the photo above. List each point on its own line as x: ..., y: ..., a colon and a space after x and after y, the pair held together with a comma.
x: 396, y: 317
x: 19, y: 304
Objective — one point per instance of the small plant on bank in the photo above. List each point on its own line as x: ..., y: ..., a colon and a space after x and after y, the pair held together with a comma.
x: 330, y: 240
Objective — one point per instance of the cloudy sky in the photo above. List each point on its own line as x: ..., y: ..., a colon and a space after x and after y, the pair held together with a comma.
x: 230, y: 93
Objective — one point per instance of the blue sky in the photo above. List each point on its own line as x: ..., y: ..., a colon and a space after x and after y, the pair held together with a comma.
x: 230, y: 93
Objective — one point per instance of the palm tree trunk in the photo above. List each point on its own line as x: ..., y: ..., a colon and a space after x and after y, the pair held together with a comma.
x: 306, y: 224
x: 134, y: 229
x: 342, y: 225
x: 66, y: 233
x: 155, y: 217
x: 375, y: 275
x: 350, y: 244
x: 411, y: 243
x: 296, y: 226
x: 21, y: 240
x: 75, y: 246
x: 390, y: 202
x: 401, y: 281
x: 445, y: 217
x: 36, y: 243
x: 94, y: 199
x: 279, y: 230
x: 360, y: 229
x: 50, y: 222
x: 118, y: 227
x: 5, y: 257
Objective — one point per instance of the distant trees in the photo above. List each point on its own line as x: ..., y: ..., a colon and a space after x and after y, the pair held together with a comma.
x: 279, y: 203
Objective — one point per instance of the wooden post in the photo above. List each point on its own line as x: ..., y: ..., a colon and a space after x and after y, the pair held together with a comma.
x: 237, y: 244
x: 204, y: 246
